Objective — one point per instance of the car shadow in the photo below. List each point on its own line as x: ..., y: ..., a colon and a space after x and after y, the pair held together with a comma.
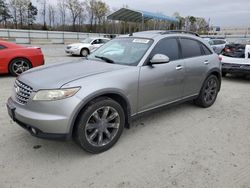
x: 6, y: 76
x: 237, y: 78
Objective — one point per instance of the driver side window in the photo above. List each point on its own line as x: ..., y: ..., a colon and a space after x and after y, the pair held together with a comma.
x: 97, y: 41
x: 168, y: 47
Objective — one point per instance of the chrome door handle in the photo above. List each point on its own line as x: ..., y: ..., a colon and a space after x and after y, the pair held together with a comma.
x: 179, y: 67
x: 206, y: 62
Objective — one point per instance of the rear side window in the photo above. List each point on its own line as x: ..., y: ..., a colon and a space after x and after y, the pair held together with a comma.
x: 190, y: 48
x: 168, y: 47
x: 2, y: 47
x: 205, y: 50
x: 104, y: 40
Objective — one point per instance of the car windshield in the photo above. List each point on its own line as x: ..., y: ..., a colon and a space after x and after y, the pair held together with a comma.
x: 123, y: 51
x: 87, y: 40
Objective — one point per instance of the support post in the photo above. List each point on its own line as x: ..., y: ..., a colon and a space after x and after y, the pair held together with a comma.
x: 142, y: 23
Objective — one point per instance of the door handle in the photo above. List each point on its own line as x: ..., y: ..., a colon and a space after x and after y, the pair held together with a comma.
x: 179, y: 67
x: 206, y: 62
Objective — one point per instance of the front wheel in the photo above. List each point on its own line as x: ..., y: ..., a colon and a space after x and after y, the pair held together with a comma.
x: 100, y: 125
x: 84, y: 52
x: 208, y: 93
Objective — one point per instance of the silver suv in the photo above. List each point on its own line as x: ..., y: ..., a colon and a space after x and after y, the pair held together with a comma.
x: 94, y: 99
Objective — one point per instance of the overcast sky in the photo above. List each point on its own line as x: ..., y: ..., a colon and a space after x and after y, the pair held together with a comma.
x: 225, y: 13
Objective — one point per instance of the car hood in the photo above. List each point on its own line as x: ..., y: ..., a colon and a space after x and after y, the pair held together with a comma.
x: 55, y: 76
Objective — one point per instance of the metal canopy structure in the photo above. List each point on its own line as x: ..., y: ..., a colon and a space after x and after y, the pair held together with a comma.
x: 129, y: 15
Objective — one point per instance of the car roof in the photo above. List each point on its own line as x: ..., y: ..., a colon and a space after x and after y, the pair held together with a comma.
x: 94, y: 38
x: 161, y: 33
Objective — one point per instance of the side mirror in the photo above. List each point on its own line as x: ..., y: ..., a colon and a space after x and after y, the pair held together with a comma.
x: 159, y: 59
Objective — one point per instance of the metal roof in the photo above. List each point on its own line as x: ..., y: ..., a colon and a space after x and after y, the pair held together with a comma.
x: 129, y: 15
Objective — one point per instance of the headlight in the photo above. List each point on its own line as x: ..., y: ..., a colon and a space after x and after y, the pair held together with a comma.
x: 57, y: 94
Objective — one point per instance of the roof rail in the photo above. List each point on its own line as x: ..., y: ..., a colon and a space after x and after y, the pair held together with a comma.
x: 180, y: 31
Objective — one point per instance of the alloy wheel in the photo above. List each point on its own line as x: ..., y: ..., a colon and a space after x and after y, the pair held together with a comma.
x: 102, y: 126
x: 210, y: 91
x: 20, y: 66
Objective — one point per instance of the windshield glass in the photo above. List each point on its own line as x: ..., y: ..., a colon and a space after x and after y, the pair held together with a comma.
x: 124, y: 51
x: 87, y: 40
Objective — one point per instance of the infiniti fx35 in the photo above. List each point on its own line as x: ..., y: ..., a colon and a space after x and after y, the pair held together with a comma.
x: 92, y: 100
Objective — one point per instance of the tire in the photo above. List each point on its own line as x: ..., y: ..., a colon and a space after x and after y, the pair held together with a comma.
x: 209, y: 92
x: 99, y: 125
x: 84, y: 52
x: 18, y: 66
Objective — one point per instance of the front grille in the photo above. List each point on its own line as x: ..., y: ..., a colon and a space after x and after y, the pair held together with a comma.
x: 22, y: 92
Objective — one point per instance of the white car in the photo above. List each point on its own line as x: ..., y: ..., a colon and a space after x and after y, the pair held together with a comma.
x: 235, y: 65
x: 86, y: 46
x: 217, y: 44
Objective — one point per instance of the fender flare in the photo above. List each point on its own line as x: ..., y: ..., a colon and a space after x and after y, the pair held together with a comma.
x: 92, y: 97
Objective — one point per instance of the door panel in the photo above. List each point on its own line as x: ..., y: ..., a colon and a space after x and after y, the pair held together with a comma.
x: 196, y: 64
x: 196, y: 70
x: 160, y: 84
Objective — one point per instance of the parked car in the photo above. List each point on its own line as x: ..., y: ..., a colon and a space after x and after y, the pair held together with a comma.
x: 236, y: 50
x: 234, y: 60
x: 15, y: 59
x: 86, y: 46
x: 217, y: 44
x: 130, y: 75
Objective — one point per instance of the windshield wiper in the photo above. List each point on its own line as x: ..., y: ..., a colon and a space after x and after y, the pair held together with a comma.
x: 105, y: 59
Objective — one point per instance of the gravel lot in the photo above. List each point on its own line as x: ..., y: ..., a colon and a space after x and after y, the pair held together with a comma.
x: 183, y: 146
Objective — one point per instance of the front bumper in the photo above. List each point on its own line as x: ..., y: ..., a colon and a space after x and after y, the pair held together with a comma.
x: 72, y: 51
x: 235, y: 68
x: 42, y: 122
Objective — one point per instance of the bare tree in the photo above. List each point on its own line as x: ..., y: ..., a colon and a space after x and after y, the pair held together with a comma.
x: 62, y: 11
x: 32, y: 13
x: 90, y: 6
x: 43, y: 8
x: 75, y: 8
x: 100, y: 11
x: 202, y: 25
x: 81, y: 17
x: 51, y: 15
x: 4, y: 12
x: 22, y: 11
x: 13, y: 9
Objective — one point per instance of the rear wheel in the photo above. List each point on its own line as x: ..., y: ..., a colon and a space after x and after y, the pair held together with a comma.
x: 100, y: 125
x: 208, y: 93
x: 18, y: 66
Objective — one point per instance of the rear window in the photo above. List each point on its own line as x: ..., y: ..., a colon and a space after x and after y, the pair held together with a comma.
x: 217, y: 42
x: 190, y: 48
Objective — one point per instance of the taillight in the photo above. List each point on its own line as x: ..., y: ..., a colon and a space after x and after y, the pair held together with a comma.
x: 227, y: 50
x: 220, y: 58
